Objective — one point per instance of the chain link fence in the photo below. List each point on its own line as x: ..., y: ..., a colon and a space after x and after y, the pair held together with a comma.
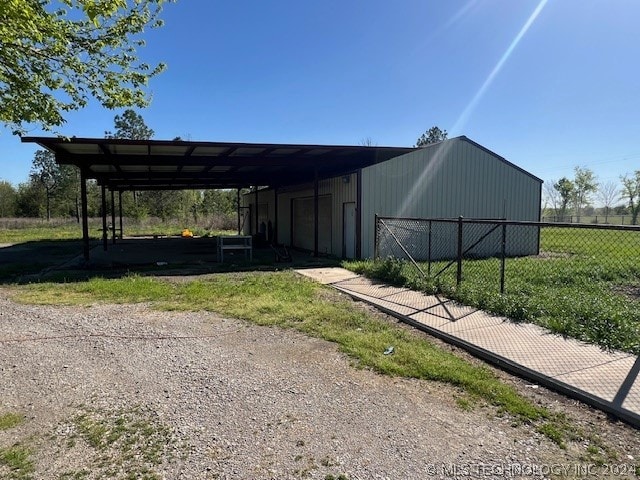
x: 500, y: 254
x: 579, y: 280
x: 582, y: 281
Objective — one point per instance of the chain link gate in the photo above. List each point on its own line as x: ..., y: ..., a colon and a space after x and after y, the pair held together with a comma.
x: 500, y: 254
x: 444, y: 249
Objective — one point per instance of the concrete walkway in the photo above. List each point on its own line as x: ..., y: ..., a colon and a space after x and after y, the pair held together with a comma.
x: 606, y: 380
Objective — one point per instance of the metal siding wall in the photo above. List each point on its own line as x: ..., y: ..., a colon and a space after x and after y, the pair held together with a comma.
x: 249, y: 199
x: 456, y: 179
x: 340, y: 192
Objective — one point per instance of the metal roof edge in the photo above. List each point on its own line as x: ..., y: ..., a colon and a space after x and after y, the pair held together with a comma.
x: 124, y: 141
x: 464, y: 138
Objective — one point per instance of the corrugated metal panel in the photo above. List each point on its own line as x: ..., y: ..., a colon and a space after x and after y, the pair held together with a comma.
x: 249, y: 200
x: 341, y: 189
x: 454, y: 178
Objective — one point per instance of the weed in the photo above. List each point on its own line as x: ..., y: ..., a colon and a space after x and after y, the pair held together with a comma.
x: 17, y: 459
x: 128, y: 440
x: 10, y: 420
x: 464, y: 404
x: 552, y: 432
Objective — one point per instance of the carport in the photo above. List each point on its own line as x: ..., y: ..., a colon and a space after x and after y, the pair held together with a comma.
x: 120, y: 165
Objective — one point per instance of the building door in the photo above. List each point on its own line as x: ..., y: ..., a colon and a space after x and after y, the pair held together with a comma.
x: 303, y: 223
x: 349, y: 230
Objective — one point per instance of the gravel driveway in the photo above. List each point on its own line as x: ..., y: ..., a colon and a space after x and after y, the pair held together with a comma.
x: 221, y: 398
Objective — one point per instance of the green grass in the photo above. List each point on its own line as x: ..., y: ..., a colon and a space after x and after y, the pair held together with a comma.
x: 17, y: 462
x: 10, y: 420
x: 32, y: 234
x: 30, y: 230
x: 582, y: 285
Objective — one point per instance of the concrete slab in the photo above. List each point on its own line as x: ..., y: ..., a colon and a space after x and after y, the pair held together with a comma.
x: 402, y: 310
x: 607, y: 380
x: 381, y: 292
x: 430, y: 320
x: 535, y: 348
x: 414, y: 299
x: 327, y: 276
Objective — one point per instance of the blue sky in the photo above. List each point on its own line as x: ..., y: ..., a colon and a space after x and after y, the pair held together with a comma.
x: 547, y: 84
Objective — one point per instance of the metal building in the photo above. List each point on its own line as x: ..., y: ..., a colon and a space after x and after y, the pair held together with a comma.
x: 457, y: 177
x: 321, y: 198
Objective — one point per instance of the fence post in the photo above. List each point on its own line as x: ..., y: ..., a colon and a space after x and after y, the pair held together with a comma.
x: 375, y: 240
x: 429, y: 252
x: 503, y: 248
x: 459, y: 272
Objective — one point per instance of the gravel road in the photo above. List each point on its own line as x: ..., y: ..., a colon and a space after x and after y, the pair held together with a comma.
x: 227, y: 399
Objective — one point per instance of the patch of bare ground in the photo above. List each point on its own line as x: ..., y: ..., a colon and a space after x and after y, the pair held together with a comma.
x: 109, y: 390
x: 629, y: 291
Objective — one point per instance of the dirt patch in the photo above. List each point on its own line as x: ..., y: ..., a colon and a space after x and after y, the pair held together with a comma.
x: 629, y: 291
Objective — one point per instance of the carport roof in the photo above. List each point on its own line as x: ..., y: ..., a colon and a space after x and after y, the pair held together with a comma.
x: 169, y: 165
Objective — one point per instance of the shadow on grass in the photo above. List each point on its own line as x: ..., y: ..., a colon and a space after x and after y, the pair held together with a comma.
x: 61, y: 261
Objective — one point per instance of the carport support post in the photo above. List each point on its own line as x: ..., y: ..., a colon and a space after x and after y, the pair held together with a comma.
x: 113, y: 217
x: 120, y: 212
x: 257, y: 225
x: 104, y: 217
x: 238, y: 204
x: 315, y: 214
x: 274, y: 240
x: 85, y: 215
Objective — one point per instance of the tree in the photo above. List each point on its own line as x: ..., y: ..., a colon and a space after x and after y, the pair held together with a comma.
x: 585, y: 185
x: 52, y: 59
x: 433, y: 135
x: 551, y: 196
x: 631, y: 191
x: 8, y: 198
x: 30, y: 199
x: 608, y: 194
x: 565, y: 189
x: 130, y: 126
x: 48, y: 174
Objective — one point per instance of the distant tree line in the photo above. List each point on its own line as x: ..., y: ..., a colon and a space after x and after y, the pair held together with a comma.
x: 53, y: 190
x: 575, y: 197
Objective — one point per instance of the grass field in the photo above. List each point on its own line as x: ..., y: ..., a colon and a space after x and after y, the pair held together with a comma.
x: 585, y: 284
x: 21, y: 230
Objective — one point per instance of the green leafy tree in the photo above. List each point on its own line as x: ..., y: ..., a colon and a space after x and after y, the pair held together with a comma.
x: 57, y: 54
x: 67, y: 196
x: 219, y: 202
x: 8, y: 199
x: 566, y: 190
x: 130, y: 125
x: 631, y: 192
x: 585, y: 185
x: 48, y: 174
x: 433, y: 135
x: 30, y: 199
